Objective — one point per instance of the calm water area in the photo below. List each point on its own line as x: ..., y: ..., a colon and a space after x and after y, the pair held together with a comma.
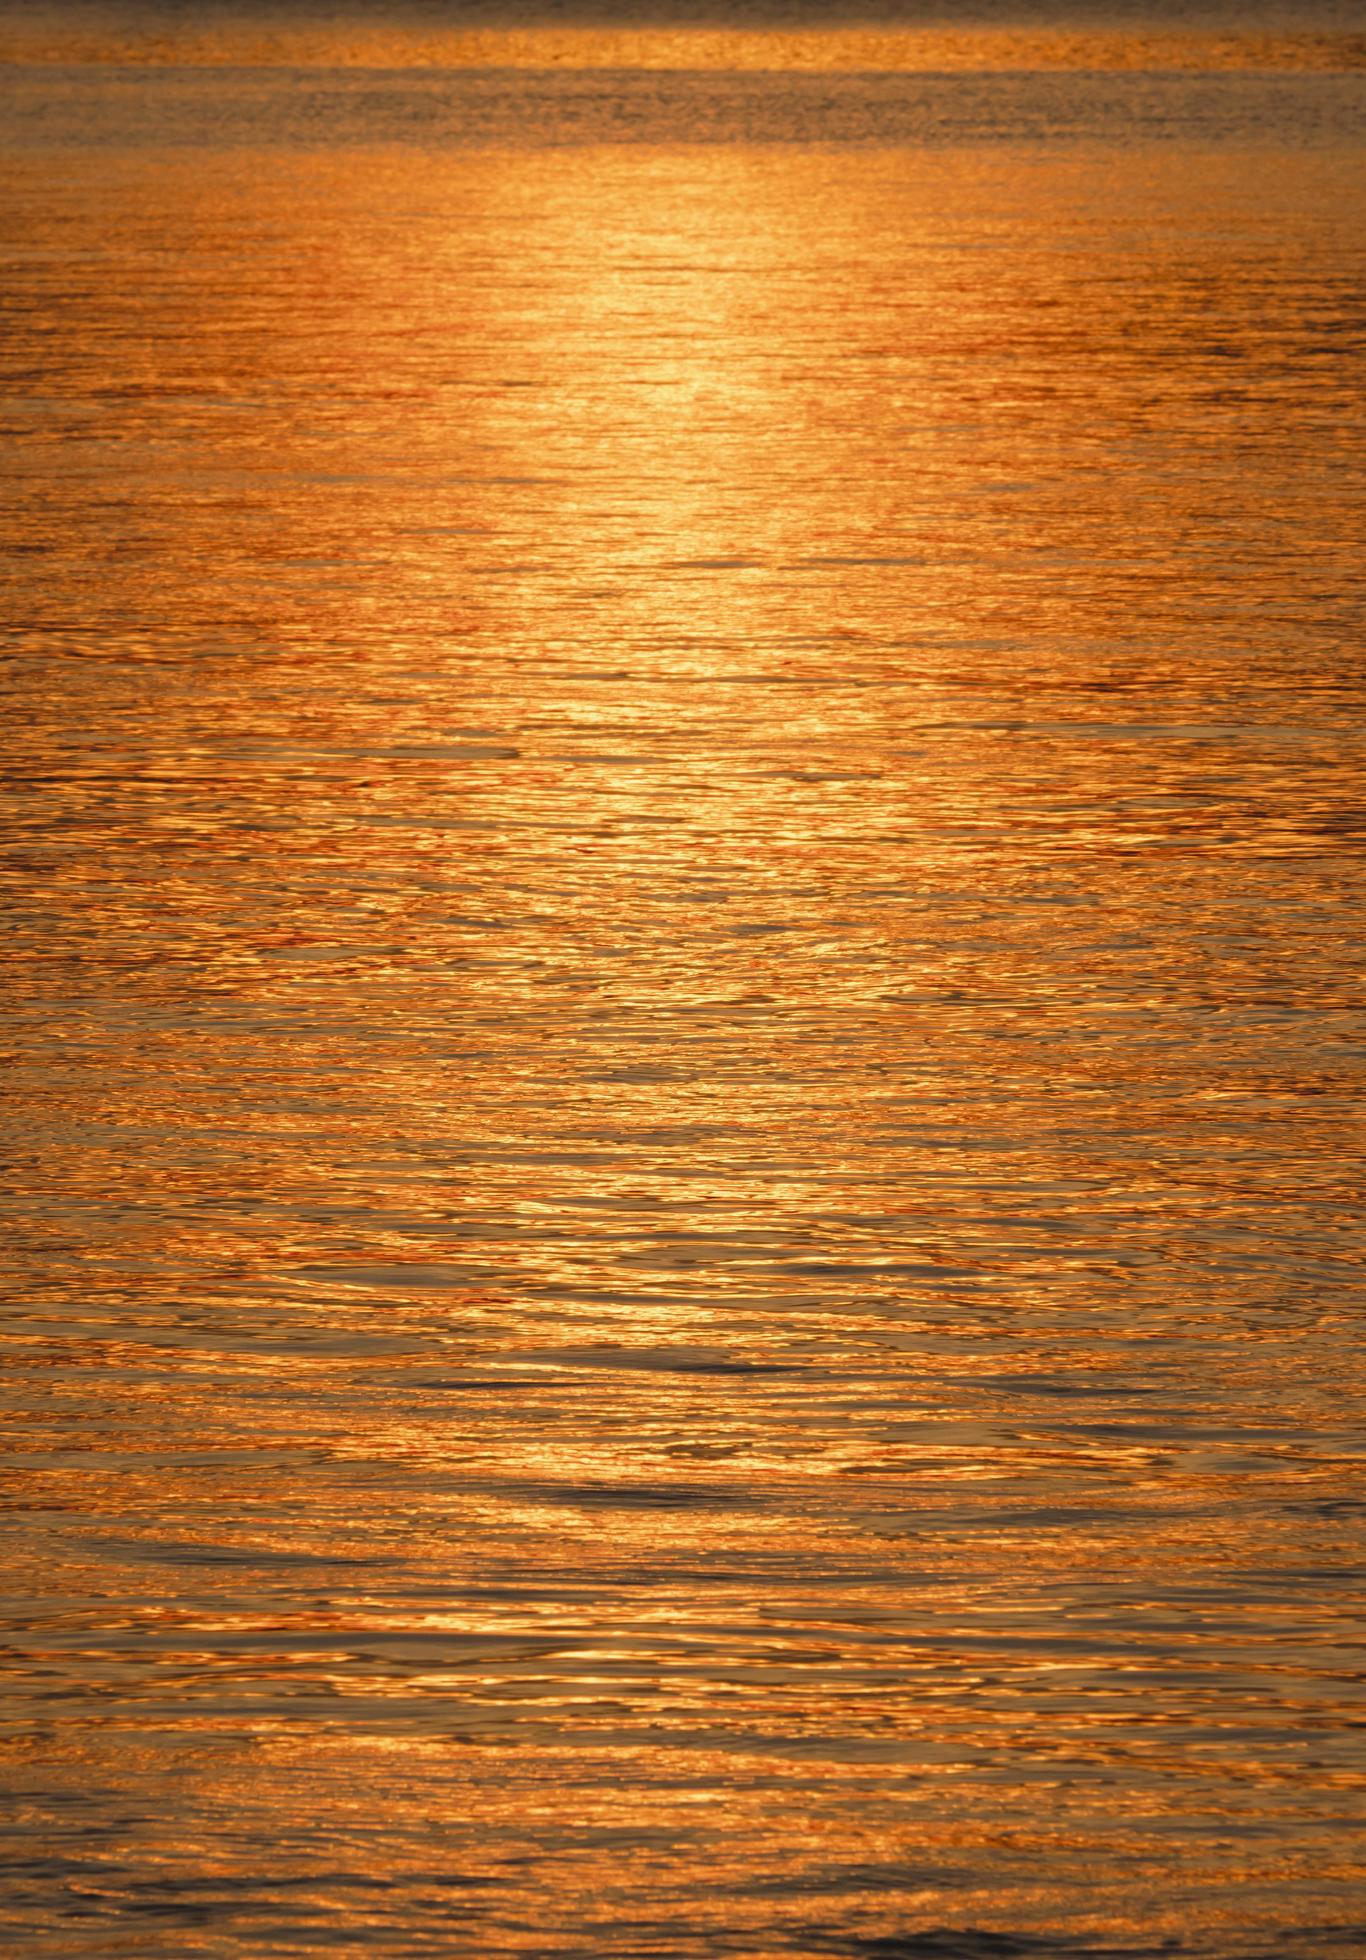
x: 681, y: 932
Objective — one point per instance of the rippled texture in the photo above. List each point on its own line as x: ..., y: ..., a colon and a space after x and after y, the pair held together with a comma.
x: 682, y: 926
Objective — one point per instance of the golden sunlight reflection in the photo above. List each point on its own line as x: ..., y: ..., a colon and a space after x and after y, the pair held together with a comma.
x: 680, y: 947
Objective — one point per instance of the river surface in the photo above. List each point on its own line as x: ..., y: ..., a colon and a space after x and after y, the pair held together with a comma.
x: 682, y: 921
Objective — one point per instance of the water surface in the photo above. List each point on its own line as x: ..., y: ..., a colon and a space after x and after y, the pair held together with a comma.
x: 683, y: 755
